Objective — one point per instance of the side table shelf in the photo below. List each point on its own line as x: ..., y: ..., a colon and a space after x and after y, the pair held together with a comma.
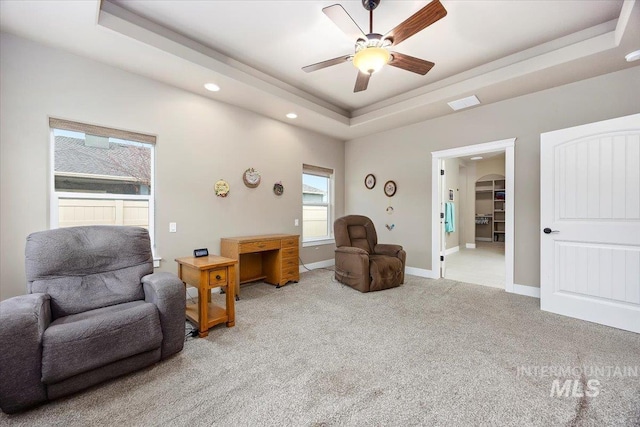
x: 206, y: 273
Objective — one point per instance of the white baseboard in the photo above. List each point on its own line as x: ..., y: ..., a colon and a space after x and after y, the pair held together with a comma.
x: 319, y: 264
x: 530, y: 291
x: 420, y: 272
x: 470, y: 245
x: 452, y: 250
x: 484, y: 239
x: 193, y: 292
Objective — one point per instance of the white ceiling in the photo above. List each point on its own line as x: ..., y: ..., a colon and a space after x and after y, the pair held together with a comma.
x: 255, y: 51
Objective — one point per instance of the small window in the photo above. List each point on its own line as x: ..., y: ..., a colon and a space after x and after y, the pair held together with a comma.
x: 317, y: 203
x: 101, y: 176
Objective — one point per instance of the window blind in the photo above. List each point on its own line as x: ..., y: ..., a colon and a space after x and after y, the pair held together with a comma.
x: 317, y: 170
x: 100, y: 131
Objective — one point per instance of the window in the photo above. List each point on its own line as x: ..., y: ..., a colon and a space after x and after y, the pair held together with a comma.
x: 317, y: 203
x: 101, y: 176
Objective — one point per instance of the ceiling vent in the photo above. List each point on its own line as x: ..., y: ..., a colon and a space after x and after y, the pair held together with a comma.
x: 463, y: 103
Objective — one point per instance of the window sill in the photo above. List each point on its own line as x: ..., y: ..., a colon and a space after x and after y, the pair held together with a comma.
x: 318, y: 242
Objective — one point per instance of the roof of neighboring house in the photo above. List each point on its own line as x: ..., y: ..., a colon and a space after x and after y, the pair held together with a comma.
x: 311, y: 190
x: 119, y: 160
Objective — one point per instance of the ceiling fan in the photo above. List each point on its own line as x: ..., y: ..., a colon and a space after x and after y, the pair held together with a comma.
x: 372, y: 50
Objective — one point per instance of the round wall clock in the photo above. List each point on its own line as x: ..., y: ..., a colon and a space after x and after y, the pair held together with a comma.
x: 221, y: 188
x: 251, y: 178
x: 370, y: 181
x: 390, y: 188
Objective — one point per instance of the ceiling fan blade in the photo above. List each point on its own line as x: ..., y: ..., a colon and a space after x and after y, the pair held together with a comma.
x: 409, y: 63
x: 327, y: 63
x: 362, y: 81
x: 344, y: 21
x: 420, y: 20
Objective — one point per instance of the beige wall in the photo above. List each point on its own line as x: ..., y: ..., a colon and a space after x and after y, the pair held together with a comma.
x: 199, y: 142
x: 491, y: 166
x: 404, y: 155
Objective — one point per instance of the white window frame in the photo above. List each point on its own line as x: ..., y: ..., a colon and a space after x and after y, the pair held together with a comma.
x: 55, y: 196
x: 329, y: 174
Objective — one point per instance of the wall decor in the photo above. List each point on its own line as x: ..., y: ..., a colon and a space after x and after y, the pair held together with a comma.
x: 390, y: 227
x: 251, y: 178
x: 370, y: 181
x: 221, y: 188
x: 278, y: 188
x: 390, y: 188
x: 389, y: 210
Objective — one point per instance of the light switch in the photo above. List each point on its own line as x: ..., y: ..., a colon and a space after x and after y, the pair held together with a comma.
x: 296, y: 222
x: 172, y: 227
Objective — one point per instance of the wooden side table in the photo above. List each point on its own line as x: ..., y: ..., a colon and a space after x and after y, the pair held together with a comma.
x: 206, y: 273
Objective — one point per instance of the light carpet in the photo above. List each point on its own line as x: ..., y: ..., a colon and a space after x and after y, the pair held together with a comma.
x: 317, y: 353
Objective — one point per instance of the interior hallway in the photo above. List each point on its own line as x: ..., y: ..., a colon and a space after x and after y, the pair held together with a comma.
x: 483, y: 265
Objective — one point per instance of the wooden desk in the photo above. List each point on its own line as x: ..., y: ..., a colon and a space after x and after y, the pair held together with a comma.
x: 205, y: 273
x: 270, y: 257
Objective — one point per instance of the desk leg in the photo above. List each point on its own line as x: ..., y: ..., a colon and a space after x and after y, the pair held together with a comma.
x: 231, y: 296
x: 203, y: 305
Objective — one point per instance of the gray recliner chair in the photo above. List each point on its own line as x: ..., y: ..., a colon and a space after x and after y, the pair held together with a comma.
x: 94, y: 311
x: 362, y: 262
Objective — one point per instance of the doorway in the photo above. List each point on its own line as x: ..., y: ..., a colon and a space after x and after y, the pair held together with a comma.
x: 487, y: 258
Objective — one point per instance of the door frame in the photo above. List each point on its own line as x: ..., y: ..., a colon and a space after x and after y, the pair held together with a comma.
x: 506, y: 145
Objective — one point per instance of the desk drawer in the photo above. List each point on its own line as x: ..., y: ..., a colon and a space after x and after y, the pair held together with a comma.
x: 290, y: 242
x: 250, y: 247
x: 218, y: 277
x: 289, y: 262
x: 290, y: 274
x: 290, y: 252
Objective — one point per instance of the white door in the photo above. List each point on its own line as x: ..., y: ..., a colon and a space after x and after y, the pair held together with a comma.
x: 443, y: 235
x: 590, y: 222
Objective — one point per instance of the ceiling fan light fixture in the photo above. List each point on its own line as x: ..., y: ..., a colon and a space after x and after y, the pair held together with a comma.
x: 371, y: 59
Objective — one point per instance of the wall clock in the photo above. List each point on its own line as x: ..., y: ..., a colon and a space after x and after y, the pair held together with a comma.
x: 390, y: 188
x: 278, y: 188
x: 370, y: 181
x: 221, y: 188
x: 251, y: 178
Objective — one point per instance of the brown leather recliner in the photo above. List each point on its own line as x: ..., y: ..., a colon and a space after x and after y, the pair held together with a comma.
x: 363, y: 263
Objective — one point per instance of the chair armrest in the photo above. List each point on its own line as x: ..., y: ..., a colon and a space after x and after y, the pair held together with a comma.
x: 385, y: 249
x: 167, y: 292
x: 23, y: 320
x: 351, y: 250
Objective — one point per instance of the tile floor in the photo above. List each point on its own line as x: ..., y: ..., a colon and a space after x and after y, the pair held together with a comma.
x: 483, y: 265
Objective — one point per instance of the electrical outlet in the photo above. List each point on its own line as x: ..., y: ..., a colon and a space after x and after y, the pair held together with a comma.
x: 296, y: 222
x: 173, y: 227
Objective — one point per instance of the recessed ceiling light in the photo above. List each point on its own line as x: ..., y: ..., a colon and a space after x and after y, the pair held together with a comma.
x: 633, y: 56
x: 212, y: 87
x: 467, y: 102
x: 476, y: 158
x: 292, y: 115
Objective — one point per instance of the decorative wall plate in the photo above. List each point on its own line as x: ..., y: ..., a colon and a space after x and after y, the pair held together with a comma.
x: 390, y: 188
x: 251, y: 178
x: 370, y: 181
x: 221, y: 188
x: 278, y: 188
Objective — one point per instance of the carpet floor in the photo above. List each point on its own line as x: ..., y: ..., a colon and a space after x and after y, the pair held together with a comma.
x: 431, y: 352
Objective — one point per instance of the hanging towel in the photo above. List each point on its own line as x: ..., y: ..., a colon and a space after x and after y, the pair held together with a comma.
x: 449, y: 215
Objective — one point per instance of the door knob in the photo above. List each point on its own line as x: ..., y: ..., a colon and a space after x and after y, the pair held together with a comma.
x: 549, y: 231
